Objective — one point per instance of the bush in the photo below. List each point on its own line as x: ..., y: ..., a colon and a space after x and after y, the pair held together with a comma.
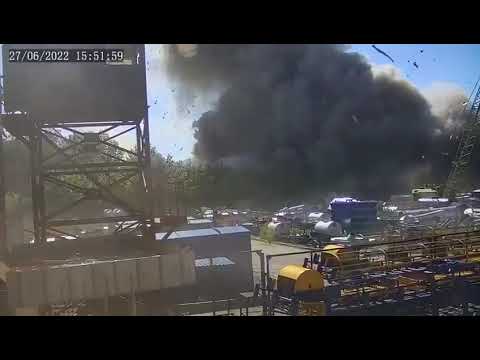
x: 266, y: 234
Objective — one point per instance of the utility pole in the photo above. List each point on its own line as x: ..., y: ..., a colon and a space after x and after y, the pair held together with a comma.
x: 3, y: 209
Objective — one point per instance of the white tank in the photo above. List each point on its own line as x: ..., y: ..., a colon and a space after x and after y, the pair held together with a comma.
x: 330, y: 228
x: 318, y: 216
x: 279, y: 228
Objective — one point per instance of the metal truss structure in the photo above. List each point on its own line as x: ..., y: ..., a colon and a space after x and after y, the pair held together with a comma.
x: 3, y: 211
x: 75, y: 164
x: 100, y: 172
x: 456, y: 179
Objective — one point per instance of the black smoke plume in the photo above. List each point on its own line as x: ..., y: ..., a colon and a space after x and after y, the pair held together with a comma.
x: 298, y: 120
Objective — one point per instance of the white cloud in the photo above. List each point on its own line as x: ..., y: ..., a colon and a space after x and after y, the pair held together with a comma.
x: 447, y: 102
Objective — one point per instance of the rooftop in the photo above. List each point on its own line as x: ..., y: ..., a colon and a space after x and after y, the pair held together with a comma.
x: 214, y: 231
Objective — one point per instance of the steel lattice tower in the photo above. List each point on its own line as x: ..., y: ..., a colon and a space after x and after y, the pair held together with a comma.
x: 456, y: 179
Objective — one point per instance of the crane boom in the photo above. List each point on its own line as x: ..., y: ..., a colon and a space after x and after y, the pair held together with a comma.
x: 467, y: 143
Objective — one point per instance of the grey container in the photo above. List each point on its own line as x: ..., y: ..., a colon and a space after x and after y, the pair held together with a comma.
x: 231, y: 242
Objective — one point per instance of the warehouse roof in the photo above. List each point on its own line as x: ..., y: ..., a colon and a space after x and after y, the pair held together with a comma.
x: 196, y: 233
x: 232, y: 229
x: 183, y: 234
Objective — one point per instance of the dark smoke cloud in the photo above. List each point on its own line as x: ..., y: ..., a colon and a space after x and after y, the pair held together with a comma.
x: 312, y: 119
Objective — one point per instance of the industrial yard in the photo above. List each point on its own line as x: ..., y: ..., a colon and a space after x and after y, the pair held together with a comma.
x: 92, y: 224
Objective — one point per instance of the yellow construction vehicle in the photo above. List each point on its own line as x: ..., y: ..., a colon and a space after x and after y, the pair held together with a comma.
x: 302, y: 284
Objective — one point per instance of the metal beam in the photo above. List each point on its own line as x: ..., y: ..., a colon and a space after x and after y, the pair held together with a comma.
x: 105, y: 165
x: 3, y: 209
x: 85, y: 172
x: 112, y: 198
x: 119, y: 148
x: 67, y: 126
x: 120, y: 133
x: 123, y: 179
x: 47, y: 132
x: 61, y: 182
x: 104, y: 220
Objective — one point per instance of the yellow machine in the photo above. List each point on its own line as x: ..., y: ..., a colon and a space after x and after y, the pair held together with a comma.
x: 294, y: 279
x: 337, y: 255
x: 297, y: 281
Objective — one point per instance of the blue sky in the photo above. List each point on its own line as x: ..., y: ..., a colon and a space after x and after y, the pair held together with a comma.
x: 170, y: 122
x: 456, y: 63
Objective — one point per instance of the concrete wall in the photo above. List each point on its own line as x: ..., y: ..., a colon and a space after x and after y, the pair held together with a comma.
x: 41, y: 285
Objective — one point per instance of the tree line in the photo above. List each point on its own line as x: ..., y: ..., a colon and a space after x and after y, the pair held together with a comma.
x: 175, y: 184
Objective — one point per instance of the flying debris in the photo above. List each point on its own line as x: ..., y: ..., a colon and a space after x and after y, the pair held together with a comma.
x: 423, y: 156
x: 415, y: 64
x: 173, y: 90
x: 155, y: 103
x: 383, y: 53
x: 451, y: 136
x: 355, y: 119
x: 421, y: 51
x: 465, y: 103
x: 181, y: 149
x: 444, y: 153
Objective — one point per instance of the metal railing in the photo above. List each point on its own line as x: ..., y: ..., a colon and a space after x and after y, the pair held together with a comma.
x: 389, y: 258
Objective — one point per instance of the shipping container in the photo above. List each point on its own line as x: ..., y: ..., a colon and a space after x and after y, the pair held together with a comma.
x: 231, y: 243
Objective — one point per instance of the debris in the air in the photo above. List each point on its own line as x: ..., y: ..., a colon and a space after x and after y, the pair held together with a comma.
x: 355, y: 119
x: 423, y: 156
x: 155, y: 103
x: 451, y: 136
x: 421, y: 51
x: 173, y: 90
x: 181, y: 149
x: 383, y: 53
x: 444, y: 153
x: 415, y: 64
x: 465, y: 103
